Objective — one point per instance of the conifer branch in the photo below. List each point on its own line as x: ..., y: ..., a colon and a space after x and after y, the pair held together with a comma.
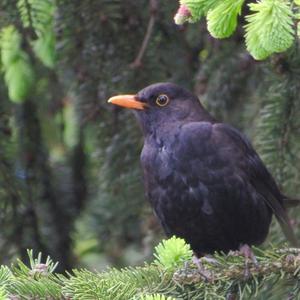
x: 270, y: 25
x: 180, y: 279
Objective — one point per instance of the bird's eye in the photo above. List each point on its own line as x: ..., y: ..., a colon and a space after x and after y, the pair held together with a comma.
x: 162, y: 100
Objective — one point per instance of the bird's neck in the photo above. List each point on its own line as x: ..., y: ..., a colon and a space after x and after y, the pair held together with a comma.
x: 160, y: 128
x: 159, y: 134
x: 200, y: 114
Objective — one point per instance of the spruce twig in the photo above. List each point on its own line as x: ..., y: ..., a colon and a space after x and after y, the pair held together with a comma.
x: 226, y: 276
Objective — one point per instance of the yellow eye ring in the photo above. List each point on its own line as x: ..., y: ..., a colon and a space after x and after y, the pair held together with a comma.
x: 162, y: 100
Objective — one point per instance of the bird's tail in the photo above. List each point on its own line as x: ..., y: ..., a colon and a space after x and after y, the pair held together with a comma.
x: 284, y: 220
x: 280, y: 211
x: 290, y: 202
x: 288, y: 232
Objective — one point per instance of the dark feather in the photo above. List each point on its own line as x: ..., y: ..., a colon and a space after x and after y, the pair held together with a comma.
x: 260, y: 178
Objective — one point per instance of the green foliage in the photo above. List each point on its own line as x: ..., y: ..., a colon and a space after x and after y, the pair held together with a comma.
x: 39, y: 16
x: 3, y: 294
x: 36, y: 14
x: 222, y: 19
x: 269, y: 29
x: 41, y: 288
x: 198, y: 8
x: 277, y: 127
x: 156, y: 297
x: 37, y: 280
x: 44, y: 48
x: 172, y: 253
x: 115, y: 284
x: 5, y: 276
x: 224, y: 275
x: 10, y: 46
x: 36, y: 265
x: 18, y: 73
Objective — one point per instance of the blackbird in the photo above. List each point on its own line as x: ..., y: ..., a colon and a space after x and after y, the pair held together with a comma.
x: 202, y: 177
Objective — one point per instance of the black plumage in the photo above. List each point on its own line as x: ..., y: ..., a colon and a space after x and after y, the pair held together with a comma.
x: 203, y: 178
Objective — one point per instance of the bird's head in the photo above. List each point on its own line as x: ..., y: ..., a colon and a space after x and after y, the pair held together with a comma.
x: 160, y: 104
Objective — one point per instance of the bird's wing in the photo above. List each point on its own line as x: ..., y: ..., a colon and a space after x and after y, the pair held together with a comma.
x: 238, y: 150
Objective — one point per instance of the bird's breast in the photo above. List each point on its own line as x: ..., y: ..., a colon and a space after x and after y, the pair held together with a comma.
x: 156, y: 161
x: 167, y: 188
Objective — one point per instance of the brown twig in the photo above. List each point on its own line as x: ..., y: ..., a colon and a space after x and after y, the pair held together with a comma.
x: 285, y: 261
x: 153, y: 12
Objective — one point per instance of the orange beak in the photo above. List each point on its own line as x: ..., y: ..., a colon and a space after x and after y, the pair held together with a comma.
x: 128, y: 101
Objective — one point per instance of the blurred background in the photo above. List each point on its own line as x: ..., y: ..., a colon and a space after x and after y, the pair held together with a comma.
x: 70, y: 181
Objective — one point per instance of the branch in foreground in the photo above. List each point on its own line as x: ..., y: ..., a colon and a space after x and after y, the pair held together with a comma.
x: 277, y: 274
